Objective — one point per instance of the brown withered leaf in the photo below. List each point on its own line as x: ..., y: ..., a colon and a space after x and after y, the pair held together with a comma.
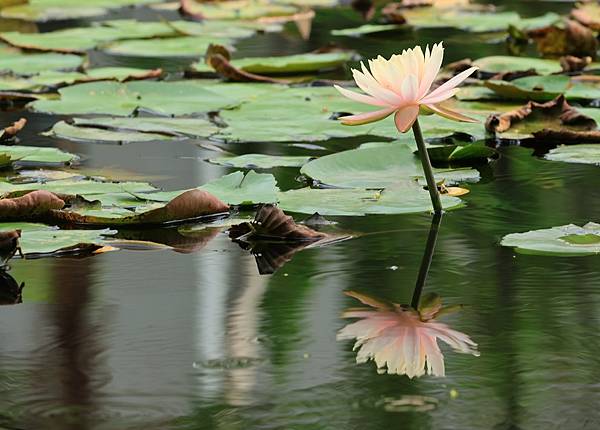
x: 11, y: 131
x: 190, y: 205
x: 186, y: 7
x: 31, y: 206
x: 9, y: 245
x: 556, y: 111
x: 271, y: 223
x: 302, y: 19
x: 171, y: 237
x: 571, y: 38
x: 392, y: 13
x: 273, y: 238
x: 567, y: 137
x: 217, y: 57
x: 11, y: 293
x: 570, y: 63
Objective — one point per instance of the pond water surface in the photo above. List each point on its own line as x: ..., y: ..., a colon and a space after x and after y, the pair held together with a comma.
x: 200, y: 340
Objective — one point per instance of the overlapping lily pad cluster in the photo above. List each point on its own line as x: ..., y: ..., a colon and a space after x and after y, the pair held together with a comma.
x: 284, y: 100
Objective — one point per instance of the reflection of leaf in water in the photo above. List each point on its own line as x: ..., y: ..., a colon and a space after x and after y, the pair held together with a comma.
x: 11, y: 292
x: 398, y: 339
x: 273, y: 238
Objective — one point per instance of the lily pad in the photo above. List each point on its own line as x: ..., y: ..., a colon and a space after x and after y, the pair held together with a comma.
x: 29, y: 64
x: 41, y: 239
x: 236, y: 9
x: 377, y: 167
x: 366, y: 29
x: 234, y: 189
x: 586, y: 154
x: 472, y: 152
x: 503, y: 63
x: 537, y: 88
x: 85, y: 187
x: 36, y: 154
x: 139, y: 129
x: 49, y: 10
x: 566, y: 240
x: 112, y: 98
x: 187, y: 46
x: 301, y: 63
x: 475, y: 22
x: 261, y: 161
x: 399, y: 198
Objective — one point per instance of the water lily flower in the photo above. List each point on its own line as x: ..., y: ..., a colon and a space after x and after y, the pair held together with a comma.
x: 402, y: 85
x: 399, y: 340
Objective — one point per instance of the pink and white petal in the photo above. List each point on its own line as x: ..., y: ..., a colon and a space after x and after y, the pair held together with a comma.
x: 369, y: 85
x: 432, y: 68
x: 367, y: 117
x: 409, y: 89
x: 440, y: 97
x: 361, y: 98
x: 406, y: 117
x: 450, y: 114
x: 453, y: 82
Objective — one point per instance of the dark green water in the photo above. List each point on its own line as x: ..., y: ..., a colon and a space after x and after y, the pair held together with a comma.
x: 200, y: 340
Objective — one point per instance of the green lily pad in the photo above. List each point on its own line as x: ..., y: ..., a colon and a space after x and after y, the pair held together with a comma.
x: 29, y: 64
x: 376, y: 167
x: 139, y: 129
x: 566, y: 240
x: 233, y: 189
x: 475, y: 22
x: 239, y: 10
x: 112, y: 98
x: 367, y: 29
x: 187, y: 46
x: 261, y: 161
x: 399, y: 198
x: 49, y: 10
x: 505, y: 63
x: 587, y: 154
x: 41, y: 239
x: 49, y: 80
x: 36, y: 154
x: 537, y: 88
x: 460, y: 153
x: 302, y: 63
x: 84, y: 187
x: 81, y: 39
x: 309, y: 115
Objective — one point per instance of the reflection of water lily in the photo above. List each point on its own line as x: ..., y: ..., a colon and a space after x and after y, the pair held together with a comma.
x: 400, y: 340
x: 402, y: 85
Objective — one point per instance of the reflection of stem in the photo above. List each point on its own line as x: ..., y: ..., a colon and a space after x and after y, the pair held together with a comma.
x: 427, y: 169
x: 426, y: 261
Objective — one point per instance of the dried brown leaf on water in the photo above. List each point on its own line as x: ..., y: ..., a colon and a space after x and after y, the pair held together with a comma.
x: 565, y: 114
x: 570, y: 38
x: 271, y: 223
x: 217, y: 57
x: 303, y: 21
x: 366, y: 8
x: 570, y: 63
x: 566, y: 137
x: 33, y: 205
x: 393, y: 13
x: 11, y: 131
x: 9, y: 245
x: 11, y: 292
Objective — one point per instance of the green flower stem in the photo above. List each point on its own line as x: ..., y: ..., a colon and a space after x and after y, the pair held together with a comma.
x: 426, y: 261
x: 431, y: 185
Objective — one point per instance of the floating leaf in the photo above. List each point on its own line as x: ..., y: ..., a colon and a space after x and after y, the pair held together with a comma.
x: 366, y: 29
x: 588, y: 14
x: 139, y: 129
x: 474, y: 22
x: 235, y: 9
x: 502, y: 63
x: 376, y: 167
x: 32, y: 206
x: 538, y: 88
x: 38, y: 239
x: 587, y: 154
x: 399, y: 198
x: 188, y: 46
x: 301, y: 63
x: 112, y: 98
x: 18, y: 63
x: 566, y: 240
x: 49, y: 10
x: 36, y: 154
x: 472, y: 152
x: 82, y: 187
x: 261, y: 161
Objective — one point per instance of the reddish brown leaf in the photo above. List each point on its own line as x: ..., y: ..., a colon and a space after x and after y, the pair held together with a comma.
x: 565, y: 114
x: 570, y: 63
x: 11, y: 131
x: 365, y: 8
x: 573, y: 39
x: 11, y: 293
x: 588, y: 15
x: 33, y: 205
x: 9, y: 245
x: 393, y: 13
x: 567, y: 137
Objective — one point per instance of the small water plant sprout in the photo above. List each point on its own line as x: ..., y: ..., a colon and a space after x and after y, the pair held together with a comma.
x: 402, y: 86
